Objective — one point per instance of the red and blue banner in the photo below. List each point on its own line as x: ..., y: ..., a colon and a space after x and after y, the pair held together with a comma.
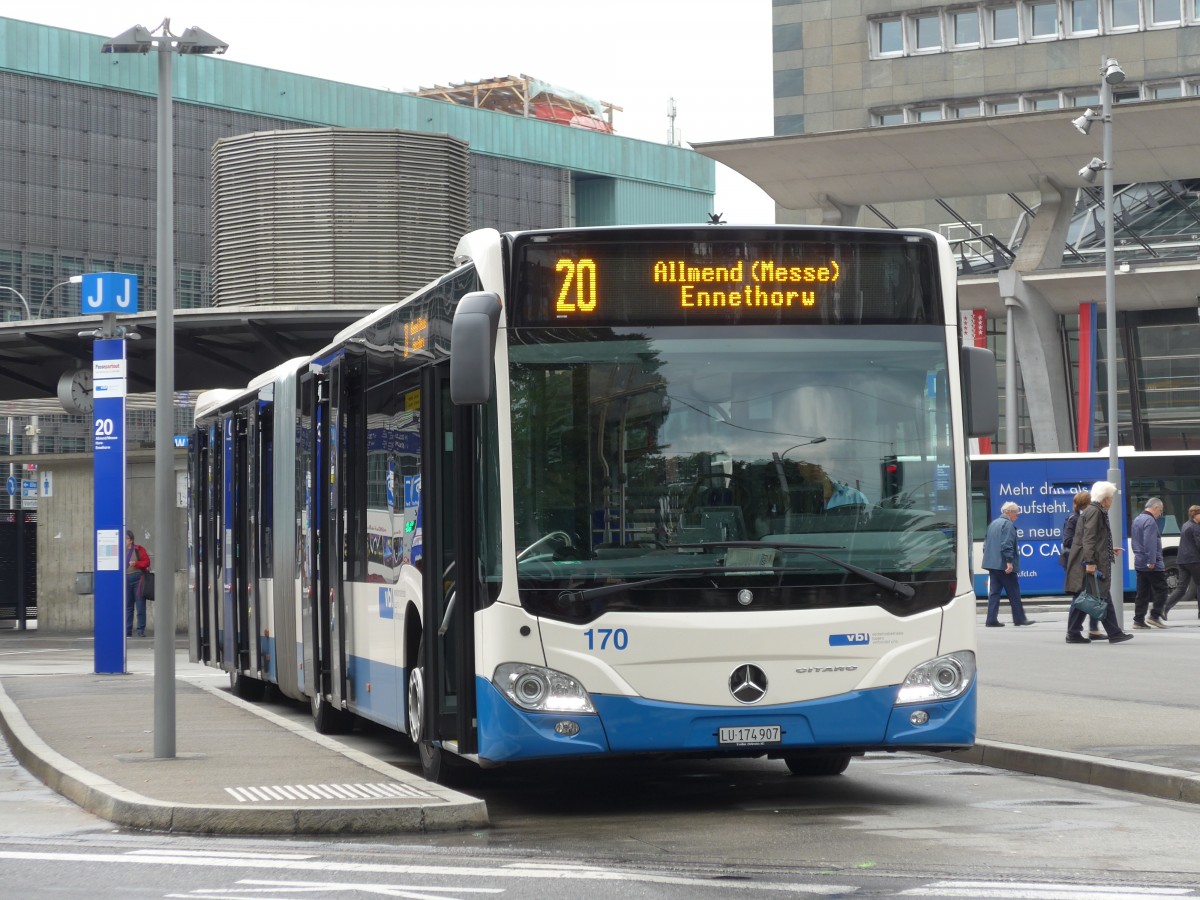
x: 1085, y: 420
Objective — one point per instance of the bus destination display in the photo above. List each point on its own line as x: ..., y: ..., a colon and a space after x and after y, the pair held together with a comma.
x: 722, y: 282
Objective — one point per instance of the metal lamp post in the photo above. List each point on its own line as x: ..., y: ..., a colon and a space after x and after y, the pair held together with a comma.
x: 193, y: 41
x: 1110, y: 73
x: 74, y: 279
x: 19, y: 296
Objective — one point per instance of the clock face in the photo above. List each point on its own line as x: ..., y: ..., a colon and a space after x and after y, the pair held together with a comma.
x: 75, y: 391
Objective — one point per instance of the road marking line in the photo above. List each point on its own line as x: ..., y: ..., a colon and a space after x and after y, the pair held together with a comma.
x: 302, y: 865
x: 1002, y: 890
x: 392, y: 790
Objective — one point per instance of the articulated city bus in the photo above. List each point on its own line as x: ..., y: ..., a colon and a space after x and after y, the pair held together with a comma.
x: 1043, y: 485
x: 608, y: 491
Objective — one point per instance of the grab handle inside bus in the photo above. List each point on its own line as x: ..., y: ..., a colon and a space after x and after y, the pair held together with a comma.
x: 473, y: 348
x: 980, y: 391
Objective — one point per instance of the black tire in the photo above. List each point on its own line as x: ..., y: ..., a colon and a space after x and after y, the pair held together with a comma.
x: 437, y: 765
x: 327, y: 718
x: 244, y: 687
x: 817, y: 764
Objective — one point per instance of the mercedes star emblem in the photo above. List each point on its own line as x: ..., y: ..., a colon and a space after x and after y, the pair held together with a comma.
x: 748, y: 684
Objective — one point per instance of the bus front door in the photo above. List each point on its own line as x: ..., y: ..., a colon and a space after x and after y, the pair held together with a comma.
x: 450, y: 583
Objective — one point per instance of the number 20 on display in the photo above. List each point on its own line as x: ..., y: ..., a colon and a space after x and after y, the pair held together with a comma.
x: 578, y: 291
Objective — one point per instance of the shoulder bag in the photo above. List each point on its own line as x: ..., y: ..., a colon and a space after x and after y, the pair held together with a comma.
x: 1089, y: 602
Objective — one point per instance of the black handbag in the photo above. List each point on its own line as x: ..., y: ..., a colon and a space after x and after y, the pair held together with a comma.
x: 148, y: 585
x: 1089, y: 603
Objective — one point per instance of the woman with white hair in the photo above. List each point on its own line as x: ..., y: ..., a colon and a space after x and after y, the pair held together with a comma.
x: 1090, y: 564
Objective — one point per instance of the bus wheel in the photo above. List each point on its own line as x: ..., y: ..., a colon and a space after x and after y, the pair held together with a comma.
x: 327, y: 718
x: 812, y: 765
x: 437, y: 765
x: 416, y: 701
x: 244, y: 687
x: 433, y: 766
x: 1172, y: 574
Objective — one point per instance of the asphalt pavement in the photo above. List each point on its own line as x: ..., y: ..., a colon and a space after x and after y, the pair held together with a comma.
x: 1124, y: 716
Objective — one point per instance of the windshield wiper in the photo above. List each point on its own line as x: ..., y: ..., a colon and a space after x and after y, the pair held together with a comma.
x: 900, y: 589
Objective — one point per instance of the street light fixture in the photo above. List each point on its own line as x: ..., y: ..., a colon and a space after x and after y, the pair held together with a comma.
x: 817, y: 440
x: 20, y: 296
x: 1110, y: 73
x: 193, y: 41
x: 74, y: 279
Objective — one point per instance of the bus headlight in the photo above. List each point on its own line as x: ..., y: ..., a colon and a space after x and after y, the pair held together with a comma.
x: 943, y: 678
x: 541, y: 690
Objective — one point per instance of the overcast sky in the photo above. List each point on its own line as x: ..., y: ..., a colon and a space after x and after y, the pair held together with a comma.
x: 712, y: 56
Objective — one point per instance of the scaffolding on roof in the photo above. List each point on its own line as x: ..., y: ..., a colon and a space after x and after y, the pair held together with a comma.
x: 529, y: 98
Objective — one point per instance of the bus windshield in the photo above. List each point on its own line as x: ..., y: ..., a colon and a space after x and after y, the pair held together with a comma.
x: 671, y: 468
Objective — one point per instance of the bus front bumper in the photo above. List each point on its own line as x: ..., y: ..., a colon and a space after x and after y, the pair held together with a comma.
x: 857, y: 721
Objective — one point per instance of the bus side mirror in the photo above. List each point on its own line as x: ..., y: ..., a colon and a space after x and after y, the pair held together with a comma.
x: 980, y: 391
x: 473, y: 348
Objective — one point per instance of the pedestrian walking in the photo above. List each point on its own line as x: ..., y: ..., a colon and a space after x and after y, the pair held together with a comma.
x: 1188, y: 562
x: 1090, y: 564
x: 1078, y: 503
x: 1001, y: 560
x: 1146, y: 542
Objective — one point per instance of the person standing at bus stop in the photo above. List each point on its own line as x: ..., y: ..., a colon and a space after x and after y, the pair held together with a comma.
x: 1090, y: 565
x: 137, y: 564
x: 1001, y: 560
x: 1146, y: 542
x: 1188, y: 561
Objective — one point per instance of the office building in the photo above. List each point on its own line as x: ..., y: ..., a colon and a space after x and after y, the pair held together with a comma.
x: 957, y: 116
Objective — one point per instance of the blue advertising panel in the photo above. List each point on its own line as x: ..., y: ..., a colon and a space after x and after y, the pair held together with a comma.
x: 108, y: 429
x: 109, y: 292
x: 1044, y: 490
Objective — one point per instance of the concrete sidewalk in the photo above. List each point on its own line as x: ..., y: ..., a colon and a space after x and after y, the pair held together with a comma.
x: 1123, y: 716
x: 240, y: 768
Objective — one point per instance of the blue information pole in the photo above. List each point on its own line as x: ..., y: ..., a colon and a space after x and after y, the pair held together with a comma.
x: 107, y: 294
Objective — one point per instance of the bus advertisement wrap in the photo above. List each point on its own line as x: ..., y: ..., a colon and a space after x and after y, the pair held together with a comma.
x: 1044, y: 489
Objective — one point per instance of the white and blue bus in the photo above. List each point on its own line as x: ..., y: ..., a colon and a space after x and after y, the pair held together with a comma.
x: 613, y: 491
x: 1044, y: 485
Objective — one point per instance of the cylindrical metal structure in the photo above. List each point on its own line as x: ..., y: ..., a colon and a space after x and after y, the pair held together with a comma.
x: 319, y: 216
x: 1110, y: 344
x: 1011, y: 444
x: 164, y: 420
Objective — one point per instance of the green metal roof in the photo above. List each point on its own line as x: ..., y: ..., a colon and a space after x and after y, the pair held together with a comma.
x: 57, y: 53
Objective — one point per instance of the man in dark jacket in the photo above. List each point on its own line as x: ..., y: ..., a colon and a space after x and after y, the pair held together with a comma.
x: 1146, y: 542
x: 1001, y: 560
x: 1090, y: 564
x: 1188, y: 561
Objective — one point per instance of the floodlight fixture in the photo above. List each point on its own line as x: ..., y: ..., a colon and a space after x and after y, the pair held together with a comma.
x: 1112, y: 72
x: 1083, y: 124
x: 134, y: 40
x: 1088, y: 172
x: 197, y: 40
